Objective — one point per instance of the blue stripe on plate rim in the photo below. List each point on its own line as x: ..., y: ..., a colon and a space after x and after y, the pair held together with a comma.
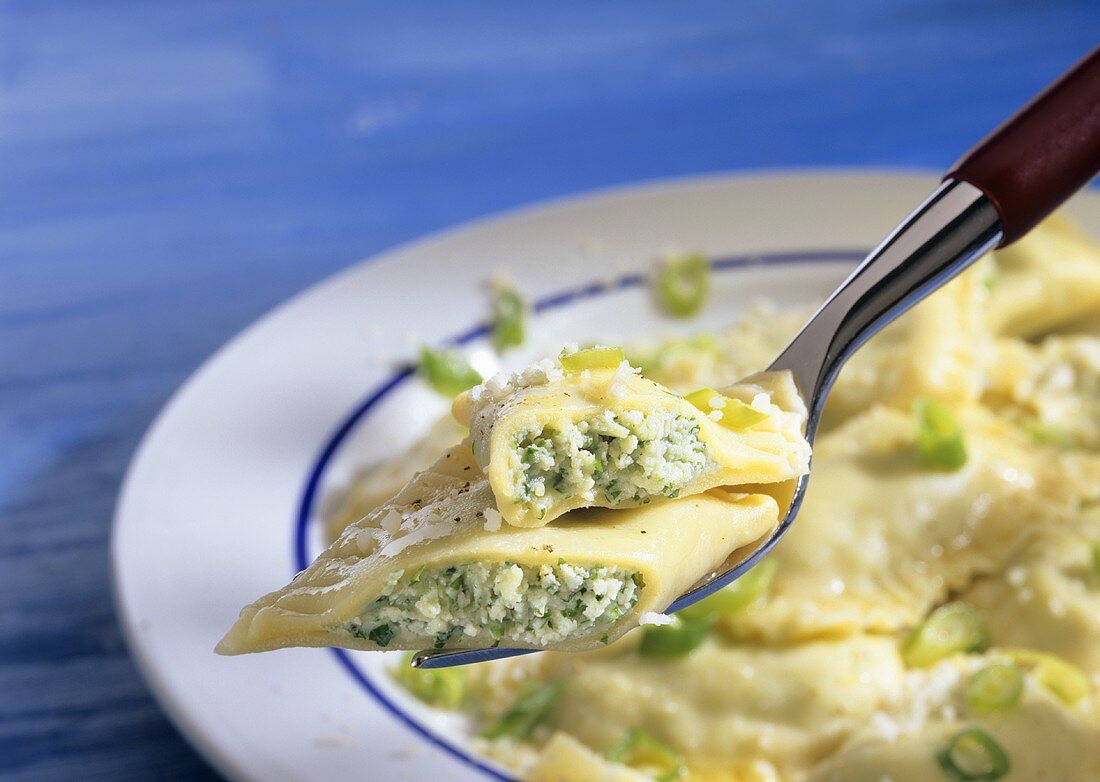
x: 300, y: 555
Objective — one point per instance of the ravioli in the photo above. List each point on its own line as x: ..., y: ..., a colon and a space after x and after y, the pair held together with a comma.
x: 881, y: 538
x: 435, y: 568
x: 552, y: 441
x: 564, y: 759
x: 1050, y: 389
x: 725, y: 708
x: 1049, y: 596
x: 1045, y: 281
x: 903, y: 744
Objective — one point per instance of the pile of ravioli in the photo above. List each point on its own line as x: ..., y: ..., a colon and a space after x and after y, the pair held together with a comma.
x: 809, y: 682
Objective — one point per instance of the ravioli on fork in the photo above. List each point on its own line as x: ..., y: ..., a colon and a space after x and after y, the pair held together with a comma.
x: 588, y: 430
x: 459, y: 560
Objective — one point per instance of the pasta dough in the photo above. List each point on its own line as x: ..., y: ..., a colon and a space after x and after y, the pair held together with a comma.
x: 437, y: 540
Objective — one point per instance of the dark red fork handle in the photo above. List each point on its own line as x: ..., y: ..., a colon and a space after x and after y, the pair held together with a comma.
x: 1041, y: 155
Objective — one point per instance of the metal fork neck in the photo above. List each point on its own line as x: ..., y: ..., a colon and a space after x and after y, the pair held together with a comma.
x: 954, y: 226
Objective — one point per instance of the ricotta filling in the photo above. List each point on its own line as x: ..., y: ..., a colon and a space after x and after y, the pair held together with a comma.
x: 626, y: 457
x: 531, y: 604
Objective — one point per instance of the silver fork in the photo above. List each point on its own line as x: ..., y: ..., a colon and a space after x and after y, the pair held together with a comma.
x: 994, y: 195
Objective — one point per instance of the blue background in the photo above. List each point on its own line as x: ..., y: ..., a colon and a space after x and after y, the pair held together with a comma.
x: 170, y: 171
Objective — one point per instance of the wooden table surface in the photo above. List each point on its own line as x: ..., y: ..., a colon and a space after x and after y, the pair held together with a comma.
x: 169, y: 171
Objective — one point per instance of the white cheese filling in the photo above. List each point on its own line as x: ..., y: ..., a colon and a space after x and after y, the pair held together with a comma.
x: 536, y: 605
x: 616, y: 457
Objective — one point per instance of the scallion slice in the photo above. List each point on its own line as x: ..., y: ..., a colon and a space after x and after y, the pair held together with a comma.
x: 676, y: 639
x: 953, y: 628
x: 531, y: 707
x: 682, y: 284
x: 639, y: 749
x: 995, y: 689
x: 973, y: 756
x: 592, y: 358
x: 1062, y: 678
x: 509, y: 318
x: 939, y: 436
x: 737, y: 596
x: 447, y: 371
x: 444, y: 688
x: 1047, y: 434
x: 734, y: 414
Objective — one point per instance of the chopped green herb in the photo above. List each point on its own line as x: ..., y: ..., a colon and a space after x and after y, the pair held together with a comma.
x: 682, y: 284
x: 995, y: 689
x: 381, y: 635
x: 737, y: 596
x: 532, y: 706
x: 416, y: 576
x: 592, y: 358
x: 676, y: 639
x: 447, y: 371
x: 509, y: 318
x: 605, y: 639
x: 973, y: 756
x: 441, y: 687
x: 939, y: 437
x: 639, y: 749
x: 1062, y: 678
x: 953, y: 628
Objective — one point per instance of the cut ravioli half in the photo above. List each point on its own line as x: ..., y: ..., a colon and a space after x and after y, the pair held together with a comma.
x: 552, y: 440
x: 435, y: 568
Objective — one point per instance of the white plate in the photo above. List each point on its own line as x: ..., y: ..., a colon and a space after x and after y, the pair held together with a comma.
x: 219, y: 505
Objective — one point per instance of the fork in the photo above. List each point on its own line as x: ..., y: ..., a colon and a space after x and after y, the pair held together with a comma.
x: 991, y: 197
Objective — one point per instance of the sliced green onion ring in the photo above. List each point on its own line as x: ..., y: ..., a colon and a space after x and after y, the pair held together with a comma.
x: 995, y: 689
x: 682, y: 284
x: 447, y: 371
x: 737, y: 596
x: 940, y: 442
x: 509, y: 318
x: 676, y: 639
x: 1063, y: 679
x: 1047, y: 434
x: 444, y: 688
x: 531, y: 707
x: 592, y: 358
x: 953, y: 628
x: 973, y: 756
x: 734, y: 414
